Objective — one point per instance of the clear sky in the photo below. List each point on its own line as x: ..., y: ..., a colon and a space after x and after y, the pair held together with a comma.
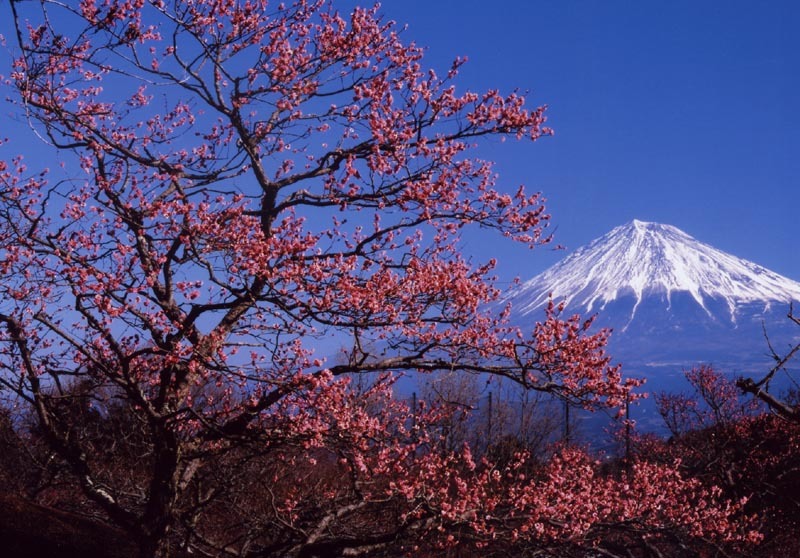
x: 681, y: 112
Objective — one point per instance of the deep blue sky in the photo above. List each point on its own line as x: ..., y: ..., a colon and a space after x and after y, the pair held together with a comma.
x: 682, y: 112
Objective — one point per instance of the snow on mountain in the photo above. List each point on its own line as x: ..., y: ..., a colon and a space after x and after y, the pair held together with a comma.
x: 639, y: 260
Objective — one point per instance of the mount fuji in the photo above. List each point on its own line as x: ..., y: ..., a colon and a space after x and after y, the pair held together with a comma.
x: 671, y: 301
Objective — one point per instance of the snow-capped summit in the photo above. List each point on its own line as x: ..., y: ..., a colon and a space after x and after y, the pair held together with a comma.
x: 639, y: 260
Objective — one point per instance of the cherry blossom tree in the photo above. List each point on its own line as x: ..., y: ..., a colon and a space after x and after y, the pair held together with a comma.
x: 714, y: 401
x: 730, y: 440
x: 245, y: 186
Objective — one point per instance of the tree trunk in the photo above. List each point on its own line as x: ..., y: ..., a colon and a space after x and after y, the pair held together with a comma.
x: 159, y: 512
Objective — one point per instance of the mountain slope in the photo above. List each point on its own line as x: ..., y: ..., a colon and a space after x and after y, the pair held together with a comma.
x: 672, y: 302
x: 668, y: 297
